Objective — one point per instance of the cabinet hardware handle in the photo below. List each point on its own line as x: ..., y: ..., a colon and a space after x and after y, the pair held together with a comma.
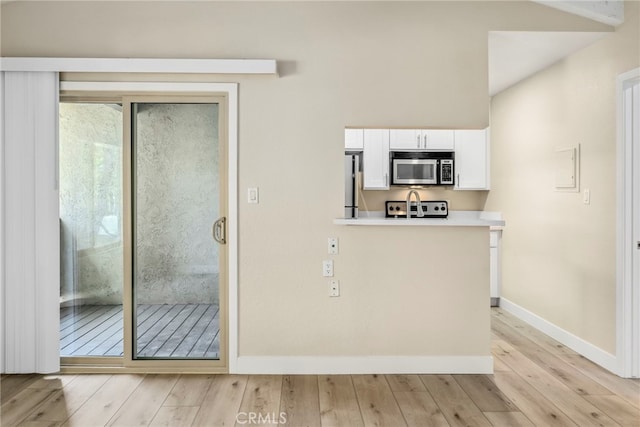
x: 418, y: 140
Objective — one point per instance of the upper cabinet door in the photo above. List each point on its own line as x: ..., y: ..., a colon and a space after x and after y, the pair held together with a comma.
x: 405, y: 139
x: 421, y: 139
x: 472, y: 160
x: 438, y: 139
x: 353, y: 139
x: 375, y: 165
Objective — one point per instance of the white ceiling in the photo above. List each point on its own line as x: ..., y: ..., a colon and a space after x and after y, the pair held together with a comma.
x: 516, y: 55
x: 610, y: 12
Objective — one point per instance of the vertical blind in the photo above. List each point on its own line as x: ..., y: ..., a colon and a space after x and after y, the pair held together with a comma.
x: 30, y: 279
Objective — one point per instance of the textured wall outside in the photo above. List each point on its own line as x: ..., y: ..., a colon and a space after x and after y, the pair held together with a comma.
x: 90, y: 203
x: 176, y: 203
x: 177, y: 182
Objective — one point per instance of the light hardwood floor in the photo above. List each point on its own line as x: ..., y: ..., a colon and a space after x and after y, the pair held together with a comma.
x: 537, y: 382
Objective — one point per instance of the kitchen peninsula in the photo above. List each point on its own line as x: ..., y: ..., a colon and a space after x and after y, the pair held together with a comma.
x: 423, y: 281
x: 431, y: 276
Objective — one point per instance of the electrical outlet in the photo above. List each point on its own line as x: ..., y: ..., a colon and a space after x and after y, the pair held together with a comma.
x: 334, y: 288
x: 333, y: 245
x: 327, y: 268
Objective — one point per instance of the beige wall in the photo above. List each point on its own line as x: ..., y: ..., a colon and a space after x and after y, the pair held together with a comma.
x: 404, y: 291
x: 396, y: 64
x: 558, y: 253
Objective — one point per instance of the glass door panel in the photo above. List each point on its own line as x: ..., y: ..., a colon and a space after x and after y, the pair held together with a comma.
x: 176, y: 200
x: 91, y: 244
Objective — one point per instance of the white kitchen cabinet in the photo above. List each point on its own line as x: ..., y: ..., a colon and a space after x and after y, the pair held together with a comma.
x: 421, y: 139
x: 405, y: 139
x: 495, y: 240
x: 354, y: 139
x: 438, y: 139
x: 375, y: 164
x: 472, y: 159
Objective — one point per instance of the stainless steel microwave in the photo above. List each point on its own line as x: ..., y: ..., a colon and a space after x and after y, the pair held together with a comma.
x: 422, y: 167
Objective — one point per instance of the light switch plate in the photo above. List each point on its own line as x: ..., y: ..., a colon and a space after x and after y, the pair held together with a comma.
x: 586, y: 196
x: 252, y: 195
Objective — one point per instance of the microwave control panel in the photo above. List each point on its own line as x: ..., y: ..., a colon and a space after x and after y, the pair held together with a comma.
x: 431, y: 209
x: 446, y: 172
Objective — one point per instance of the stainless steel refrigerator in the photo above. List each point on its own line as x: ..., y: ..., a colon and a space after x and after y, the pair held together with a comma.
x: 351, y: 169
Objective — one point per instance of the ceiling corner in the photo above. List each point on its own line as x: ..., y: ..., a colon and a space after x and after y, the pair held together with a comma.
x: 610, y: 12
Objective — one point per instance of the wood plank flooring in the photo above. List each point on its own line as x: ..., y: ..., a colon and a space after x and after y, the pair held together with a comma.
x: 537, y: 382
x: 182, y: 331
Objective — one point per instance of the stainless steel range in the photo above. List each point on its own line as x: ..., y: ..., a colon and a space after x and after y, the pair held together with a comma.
x: 431, y: 209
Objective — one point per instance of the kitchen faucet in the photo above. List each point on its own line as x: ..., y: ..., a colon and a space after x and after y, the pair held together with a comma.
x: 420, y: 213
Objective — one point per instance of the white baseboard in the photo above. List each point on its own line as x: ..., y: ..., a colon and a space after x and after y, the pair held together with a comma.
x: 318, y: 365
x: 577, y: 344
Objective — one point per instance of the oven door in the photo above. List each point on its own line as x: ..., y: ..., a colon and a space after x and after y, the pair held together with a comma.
x: 415, y: 172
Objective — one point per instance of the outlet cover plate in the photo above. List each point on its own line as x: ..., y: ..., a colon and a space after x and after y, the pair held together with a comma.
x: 334, y: 288
x: 333, y: 246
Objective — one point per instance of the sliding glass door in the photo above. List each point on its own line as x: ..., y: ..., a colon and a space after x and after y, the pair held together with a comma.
x: 143, y: 231
x: 176, y: 202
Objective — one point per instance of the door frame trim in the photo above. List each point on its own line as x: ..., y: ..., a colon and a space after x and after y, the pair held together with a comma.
x: 230, y: 90
x: 627, y: 289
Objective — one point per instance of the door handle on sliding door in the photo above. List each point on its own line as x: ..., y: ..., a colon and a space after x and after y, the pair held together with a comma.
x: 219, y: 230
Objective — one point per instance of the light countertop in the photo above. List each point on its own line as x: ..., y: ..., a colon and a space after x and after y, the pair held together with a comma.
x: 455, y: 219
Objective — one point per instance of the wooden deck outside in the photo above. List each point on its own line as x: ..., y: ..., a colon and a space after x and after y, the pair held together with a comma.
x: 176, y: 331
